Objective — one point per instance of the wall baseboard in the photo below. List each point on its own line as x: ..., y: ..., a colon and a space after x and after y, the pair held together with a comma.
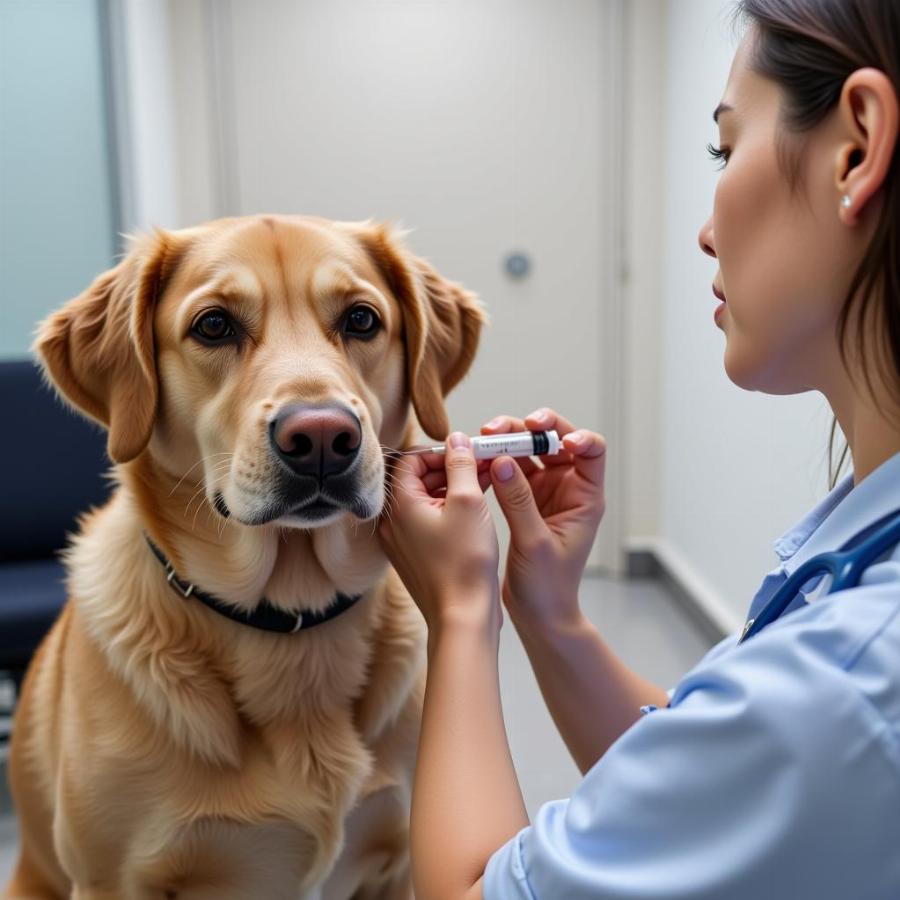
x: 653, y: 558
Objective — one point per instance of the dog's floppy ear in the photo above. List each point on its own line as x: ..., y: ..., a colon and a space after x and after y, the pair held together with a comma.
x: 98, y: 350
x: 441, y: 320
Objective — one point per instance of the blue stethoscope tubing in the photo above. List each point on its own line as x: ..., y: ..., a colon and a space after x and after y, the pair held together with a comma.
x: 845, y: 566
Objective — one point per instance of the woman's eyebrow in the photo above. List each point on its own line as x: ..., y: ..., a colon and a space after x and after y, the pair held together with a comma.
x: 722, y: 107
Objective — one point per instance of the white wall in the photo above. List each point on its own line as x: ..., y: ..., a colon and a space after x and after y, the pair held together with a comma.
x: 644, y: 70
x: 736, y: 469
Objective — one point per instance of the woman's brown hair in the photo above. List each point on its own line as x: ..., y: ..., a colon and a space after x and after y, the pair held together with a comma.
x: 809, y: 48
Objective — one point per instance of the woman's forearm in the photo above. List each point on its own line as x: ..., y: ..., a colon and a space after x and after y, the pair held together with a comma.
x: 591, y: 694
x: 466, y: 799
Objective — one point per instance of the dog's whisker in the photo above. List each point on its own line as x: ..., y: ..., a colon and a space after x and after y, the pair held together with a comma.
x: 209, y: 521
x: 188, y: 472
x: 196, y: 513
x: 219, y: 468
x: 191, y: 499
x: 200, y: 496
x: 392, y: 453
x: 197, y: 493
x: 194, y: 466
x: 194, y: 519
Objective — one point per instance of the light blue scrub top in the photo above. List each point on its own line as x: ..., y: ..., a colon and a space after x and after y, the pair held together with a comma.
x: 775, y: 773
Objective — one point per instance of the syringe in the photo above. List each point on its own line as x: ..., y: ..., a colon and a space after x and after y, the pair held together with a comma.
x: 490, y: 446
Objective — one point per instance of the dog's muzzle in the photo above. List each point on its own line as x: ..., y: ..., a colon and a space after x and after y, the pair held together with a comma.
x: 318, y: 447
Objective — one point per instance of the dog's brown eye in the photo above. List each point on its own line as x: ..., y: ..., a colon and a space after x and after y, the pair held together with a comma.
x: 213, y: 326
x: 361, y: 322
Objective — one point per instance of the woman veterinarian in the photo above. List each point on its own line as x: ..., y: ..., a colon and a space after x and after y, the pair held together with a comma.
x: 773, y: 769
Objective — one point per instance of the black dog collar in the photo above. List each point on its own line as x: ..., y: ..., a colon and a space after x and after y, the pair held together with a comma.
x: 265, y: 617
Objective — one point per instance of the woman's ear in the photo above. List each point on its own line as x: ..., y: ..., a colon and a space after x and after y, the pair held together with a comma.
x: 442, y: 324
x: 869, y: 110
x: 98, y: 350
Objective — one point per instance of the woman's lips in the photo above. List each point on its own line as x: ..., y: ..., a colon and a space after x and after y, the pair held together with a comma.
x: 720, y: 307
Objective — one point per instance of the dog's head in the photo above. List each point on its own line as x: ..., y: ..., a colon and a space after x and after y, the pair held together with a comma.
x: 273, y: 356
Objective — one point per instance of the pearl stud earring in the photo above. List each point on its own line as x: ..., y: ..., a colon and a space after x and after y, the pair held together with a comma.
x: 846, y: 201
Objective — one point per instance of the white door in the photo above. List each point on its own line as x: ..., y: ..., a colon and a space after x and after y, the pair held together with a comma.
x: 488, y: 127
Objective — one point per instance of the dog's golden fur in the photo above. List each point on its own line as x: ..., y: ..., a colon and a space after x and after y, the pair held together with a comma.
x: 161, y: 750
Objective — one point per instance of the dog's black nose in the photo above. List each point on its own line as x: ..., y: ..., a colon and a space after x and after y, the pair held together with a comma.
x: 316, y: 440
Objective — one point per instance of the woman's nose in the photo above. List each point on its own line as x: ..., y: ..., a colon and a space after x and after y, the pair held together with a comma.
x: 707, y: 244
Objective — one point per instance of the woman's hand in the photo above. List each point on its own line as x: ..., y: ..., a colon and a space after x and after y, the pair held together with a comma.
x: 439, y: 536
x: 553, y: 513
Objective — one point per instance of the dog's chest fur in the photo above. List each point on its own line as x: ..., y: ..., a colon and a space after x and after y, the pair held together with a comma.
x: 220, y: 756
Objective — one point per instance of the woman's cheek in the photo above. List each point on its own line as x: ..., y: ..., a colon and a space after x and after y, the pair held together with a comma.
x: 746, y: 225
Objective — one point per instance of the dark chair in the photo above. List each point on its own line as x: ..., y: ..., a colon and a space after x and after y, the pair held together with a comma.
x: 51, y: 469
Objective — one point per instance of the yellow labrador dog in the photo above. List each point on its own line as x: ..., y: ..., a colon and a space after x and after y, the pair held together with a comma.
x: 228, y: 705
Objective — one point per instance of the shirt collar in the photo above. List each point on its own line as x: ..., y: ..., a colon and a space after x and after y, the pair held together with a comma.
x: 843, y: 513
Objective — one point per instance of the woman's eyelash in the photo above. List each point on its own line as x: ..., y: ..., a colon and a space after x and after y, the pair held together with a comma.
x: 720, y: 153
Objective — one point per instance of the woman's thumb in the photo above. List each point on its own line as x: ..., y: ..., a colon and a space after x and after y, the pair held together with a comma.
x: 516, y: 499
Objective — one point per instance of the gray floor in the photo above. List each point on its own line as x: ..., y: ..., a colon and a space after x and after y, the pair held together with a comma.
x: 642, y: 624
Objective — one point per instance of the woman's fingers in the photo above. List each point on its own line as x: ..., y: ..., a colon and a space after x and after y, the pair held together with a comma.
x: 434, y: 462
x: 584, y: 449
x: 588, y: 451
x: 545, y: 419
x: 517, y: 503
x: 503, y: 425
x: 461, y: 468
x: 409, y: 469
x: 437, y: 481
x: 549, y: 420
x: 407, y: 476
x: 506, y: 425
x: 434, y: 481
